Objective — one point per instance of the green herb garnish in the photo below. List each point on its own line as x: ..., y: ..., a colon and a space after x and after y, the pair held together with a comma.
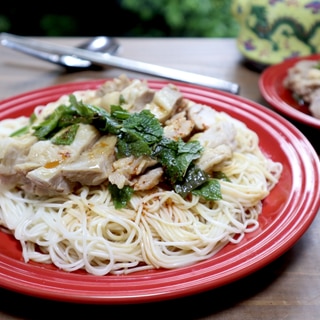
x: 138, y: 134
x: 176, y: 156
x: 120, y: 197
x: 26, y: 128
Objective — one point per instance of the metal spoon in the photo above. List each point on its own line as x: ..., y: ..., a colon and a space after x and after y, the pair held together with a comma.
x: 100, y: 44
x: 54, y: 52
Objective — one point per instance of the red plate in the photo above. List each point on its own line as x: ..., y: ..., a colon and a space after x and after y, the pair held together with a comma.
x: 287, y: 213
x: 273, y: 91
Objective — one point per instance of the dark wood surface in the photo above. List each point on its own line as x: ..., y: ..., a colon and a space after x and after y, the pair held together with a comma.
x: 288, y: 288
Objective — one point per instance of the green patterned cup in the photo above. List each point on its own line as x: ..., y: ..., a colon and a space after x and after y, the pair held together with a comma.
x: 275, y: 30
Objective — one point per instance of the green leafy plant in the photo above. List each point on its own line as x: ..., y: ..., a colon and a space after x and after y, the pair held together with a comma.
x: 4, y: 23
x: 133, y: 18
x: 183, y: 18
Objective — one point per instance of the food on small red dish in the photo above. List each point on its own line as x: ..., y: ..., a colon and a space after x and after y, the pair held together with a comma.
x: 303, y: 79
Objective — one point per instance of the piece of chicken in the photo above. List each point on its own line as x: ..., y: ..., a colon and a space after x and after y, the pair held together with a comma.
x: 165, y: 102
x: 47, y: 176
x: 201, y: 115
x: 218, y: 136
x: 94, y: 165
x: 303, y: 79
x: 126, y: 168
x: 13, y: 151
x: 148, y: 180
x: 178, y: 127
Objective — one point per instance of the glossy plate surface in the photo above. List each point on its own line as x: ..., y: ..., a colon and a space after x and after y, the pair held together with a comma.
x: 287, y: 213
x: 280, y: 98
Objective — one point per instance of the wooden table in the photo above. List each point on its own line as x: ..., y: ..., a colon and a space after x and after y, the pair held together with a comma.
x: 288, y: 288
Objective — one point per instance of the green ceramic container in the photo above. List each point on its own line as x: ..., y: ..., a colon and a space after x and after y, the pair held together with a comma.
x: 272, y: 31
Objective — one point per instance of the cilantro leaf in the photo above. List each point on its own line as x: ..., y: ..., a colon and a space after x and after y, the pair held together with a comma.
x: 194, y: 178
x: 132, y: 144
x: 210, y: 190
x: 77, y: 112
x: 119, y: 113
x: 139, y: 132
x: 96, y: 116
x: 221, y: 176
x: 145, y: 125
x: 65, y: 136
x: 26, y: 128
x: 176, y: 156
x: 49, y: 125
x: 120, y: 197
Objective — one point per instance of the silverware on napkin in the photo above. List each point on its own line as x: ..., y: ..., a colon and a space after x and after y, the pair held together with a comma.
x: 105, y: 59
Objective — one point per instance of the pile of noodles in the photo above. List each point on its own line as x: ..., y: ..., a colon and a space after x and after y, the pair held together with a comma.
x: 158, y: 229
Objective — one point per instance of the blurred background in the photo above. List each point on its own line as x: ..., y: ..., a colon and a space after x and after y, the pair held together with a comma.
x: 119, y: 18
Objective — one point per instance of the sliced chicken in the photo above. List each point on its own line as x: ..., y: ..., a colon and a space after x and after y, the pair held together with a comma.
x: 218, y: 140
x: 11, y: 125
x: 117, y: 84
x: 44, y: 153
x: 213, y: 156
x: 303, y: 79
x: 14, y: 150
x: 178, y: 127
x: 105, y: 102
x: 126, y: 168
x: 132, y: 95
x: 47, y: 178
x: 165, y: 102
x: 128, y: 97
x: 47, y: 182
x: 148, y: 180
x: 132, y: 92
x: 141, y: 100
x: 221, y: 132
x: 94, y: 165
x: 202, y: 116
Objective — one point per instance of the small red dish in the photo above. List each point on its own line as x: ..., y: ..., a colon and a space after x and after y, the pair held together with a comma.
x: 287, y: 213
x: 280, y: 98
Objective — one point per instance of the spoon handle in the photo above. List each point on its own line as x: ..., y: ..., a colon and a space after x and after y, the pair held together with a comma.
x: 123, y: 63
x: 37, y: 53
